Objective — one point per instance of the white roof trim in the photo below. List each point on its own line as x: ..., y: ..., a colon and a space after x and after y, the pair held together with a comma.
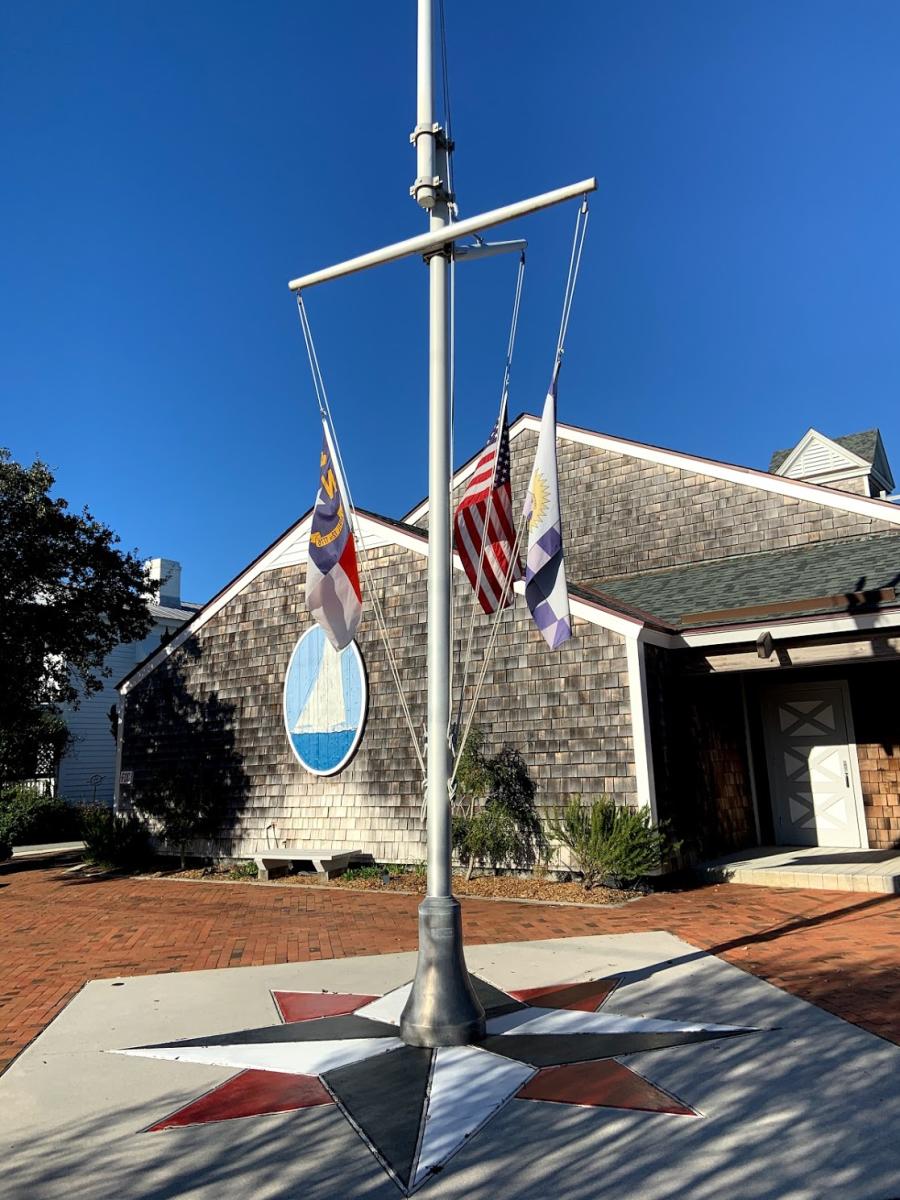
x: 747, y: 476
x: 290, y: 548
x: 786, y: 627
x: 813, y: 435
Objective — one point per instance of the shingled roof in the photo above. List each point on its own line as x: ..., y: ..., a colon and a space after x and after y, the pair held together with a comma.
x: 862, y: 444
x: 822, y: 574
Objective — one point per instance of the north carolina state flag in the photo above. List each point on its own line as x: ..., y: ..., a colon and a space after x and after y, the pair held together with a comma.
x: 333, y: 595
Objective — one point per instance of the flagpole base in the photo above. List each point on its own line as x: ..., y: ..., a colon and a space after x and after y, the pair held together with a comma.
x: 442, y: 1009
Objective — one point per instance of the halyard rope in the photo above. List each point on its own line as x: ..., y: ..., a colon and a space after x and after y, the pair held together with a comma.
x: 581, y: 220
x: 325, y: 412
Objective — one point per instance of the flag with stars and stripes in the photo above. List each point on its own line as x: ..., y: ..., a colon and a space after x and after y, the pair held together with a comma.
x: 484, y: 532
x: 546, y: 592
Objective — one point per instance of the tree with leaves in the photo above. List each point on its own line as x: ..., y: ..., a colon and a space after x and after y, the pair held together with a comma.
x: 68, y: 596
x: 496, y: 820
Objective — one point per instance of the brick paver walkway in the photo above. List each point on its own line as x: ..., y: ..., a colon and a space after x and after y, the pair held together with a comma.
x: 840, y: 950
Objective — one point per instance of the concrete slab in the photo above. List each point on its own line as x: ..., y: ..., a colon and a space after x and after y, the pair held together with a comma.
x: 823, y: 867
x: 803, y: 1109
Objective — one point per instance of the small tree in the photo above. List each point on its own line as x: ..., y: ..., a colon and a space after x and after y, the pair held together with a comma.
x: 188, y: 774
x: 68, y: 595
x: 609, y: 841
x: 506, y: 829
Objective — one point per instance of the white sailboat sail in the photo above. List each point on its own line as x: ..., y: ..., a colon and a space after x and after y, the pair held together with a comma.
x: 325, y: 710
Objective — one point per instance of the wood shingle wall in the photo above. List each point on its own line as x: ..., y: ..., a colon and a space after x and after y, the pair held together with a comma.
x: 567, y: 712
x: 623, y: 515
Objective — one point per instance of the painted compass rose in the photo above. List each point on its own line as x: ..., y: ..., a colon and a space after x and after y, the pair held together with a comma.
x: 413, y: 1107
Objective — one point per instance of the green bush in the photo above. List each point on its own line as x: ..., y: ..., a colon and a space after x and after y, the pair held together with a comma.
x: 5, y: 851
x: 27, y: 816
x: 506, y: 830
x: 114, y: 839
x: 609, y: 841
x: 244, y: 870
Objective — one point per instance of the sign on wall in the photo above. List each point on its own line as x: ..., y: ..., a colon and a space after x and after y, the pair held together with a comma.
x: 325, y: 702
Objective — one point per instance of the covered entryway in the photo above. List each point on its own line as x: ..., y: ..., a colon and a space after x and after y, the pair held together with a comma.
x: 812, y: 768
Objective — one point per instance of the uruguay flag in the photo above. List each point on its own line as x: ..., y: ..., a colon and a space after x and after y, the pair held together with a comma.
x: 546, y: 591
x: 333, y: 595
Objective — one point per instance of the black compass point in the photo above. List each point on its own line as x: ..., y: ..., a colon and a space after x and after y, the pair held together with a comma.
x: 385, y: 1099
x: 319, y: 1029
x: 560, y: 1049
x: 496, y: 1003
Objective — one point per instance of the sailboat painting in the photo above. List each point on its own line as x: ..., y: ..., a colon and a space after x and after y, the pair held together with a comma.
x: 325, y: 702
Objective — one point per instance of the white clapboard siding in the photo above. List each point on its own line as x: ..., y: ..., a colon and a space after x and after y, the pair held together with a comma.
x: 93, y: 748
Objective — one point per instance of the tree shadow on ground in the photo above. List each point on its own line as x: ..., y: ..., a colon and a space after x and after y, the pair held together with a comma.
x: 802, y: 1108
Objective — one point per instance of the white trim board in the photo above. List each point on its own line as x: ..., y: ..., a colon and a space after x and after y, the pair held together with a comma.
x: 291, y: 548
x: 640, y: 725
x: 747, y: 476
x: 849, y: 457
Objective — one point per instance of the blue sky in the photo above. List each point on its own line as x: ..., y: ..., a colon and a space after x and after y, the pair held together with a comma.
x: 168, y: 167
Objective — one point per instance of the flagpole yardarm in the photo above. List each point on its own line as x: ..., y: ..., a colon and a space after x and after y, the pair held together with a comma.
x: 439, y: 238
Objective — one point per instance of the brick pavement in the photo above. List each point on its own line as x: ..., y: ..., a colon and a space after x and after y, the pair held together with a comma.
x: 839, y: 950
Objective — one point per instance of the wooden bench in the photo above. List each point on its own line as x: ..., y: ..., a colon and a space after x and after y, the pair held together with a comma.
x: 325, y: 863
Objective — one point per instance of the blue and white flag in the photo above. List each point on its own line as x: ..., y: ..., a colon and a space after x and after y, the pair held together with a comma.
x: 546, y: 591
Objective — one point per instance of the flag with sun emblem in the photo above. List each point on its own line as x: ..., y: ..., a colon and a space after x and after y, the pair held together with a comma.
x: 546, y: 590
x: 333, y: 595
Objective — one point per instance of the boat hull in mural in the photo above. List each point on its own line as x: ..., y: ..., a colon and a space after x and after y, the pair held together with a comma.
x: 325, y: 703
x: 323, y: 751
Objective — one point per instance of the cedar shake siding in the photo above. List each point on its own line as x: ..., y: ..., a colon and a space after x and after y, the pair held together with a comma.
x: 623, y: 515
x: 567, y: 712
x: 876, y: 721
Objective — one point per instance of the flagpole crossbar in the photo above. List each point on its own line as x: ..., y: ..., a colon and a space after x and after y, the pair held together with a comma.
x: 444, y: 236
x: 488, y: 250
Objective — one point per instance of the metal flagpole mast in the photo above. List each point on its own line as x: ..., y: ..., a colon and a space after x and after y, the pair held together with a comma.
x: 442, y: 1009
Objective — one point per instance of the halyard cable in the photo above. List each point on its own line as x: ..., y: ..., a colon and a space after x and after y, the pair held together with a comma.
x: 325, y: 411
x: 504, y: 404
x: 581, y: 220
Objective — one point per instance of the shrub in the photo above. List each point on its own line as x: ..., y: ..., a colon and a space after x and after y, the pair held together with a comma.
x: 114, y: 839
x: 609, y: 841
x: 506, y: 830
x: 28, y: 816
x: 5, y: 851
x: 244, y: 870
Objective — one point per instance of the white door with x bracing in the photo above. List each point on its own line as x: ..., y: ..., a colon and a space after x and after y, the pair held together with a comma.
x: 813, y: 774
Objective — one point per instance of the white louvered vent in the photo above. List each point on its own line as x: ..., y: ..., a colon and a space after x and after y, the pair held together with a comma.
x: 816, y: 459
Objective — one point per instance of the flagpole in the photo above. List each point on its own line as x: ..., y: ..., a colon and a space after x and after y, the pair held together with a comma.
x: 442, y: 1009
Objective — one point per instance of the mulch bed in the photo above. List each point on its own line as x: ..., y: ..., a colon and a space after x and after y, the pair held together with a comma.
x: 504, y: 887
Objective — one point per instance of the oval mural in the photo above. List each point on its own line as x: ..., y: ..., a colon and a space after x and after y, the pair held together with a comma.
x: 325, y: 701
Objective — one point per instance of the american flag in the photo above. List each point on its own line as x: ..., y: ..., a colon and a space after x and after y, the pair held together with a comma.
x: 484, y: 518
